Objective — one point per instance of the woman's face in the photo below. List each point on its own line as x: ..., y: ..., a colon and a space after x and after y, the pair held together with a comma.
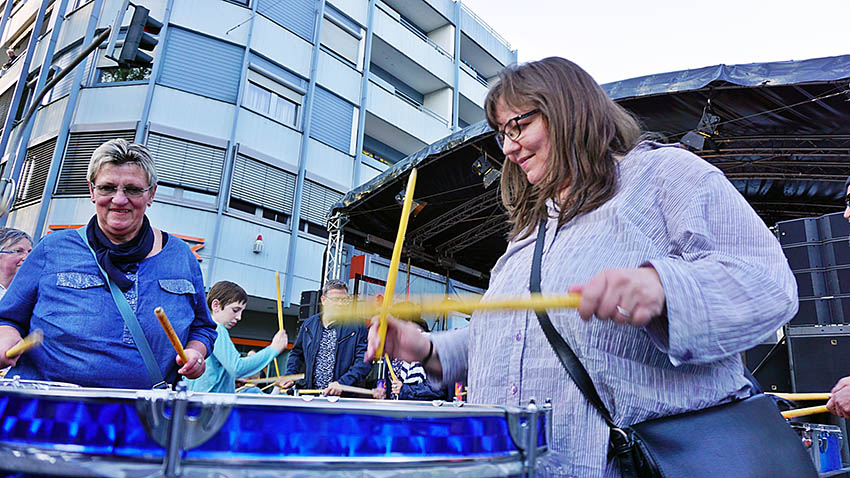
x: 530, y: 150
x: 11, y: 261
x: 119, y: 216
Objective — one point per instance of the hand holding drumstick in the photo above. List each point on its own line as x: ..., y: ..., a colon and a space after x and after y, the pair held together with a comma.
x: 13, y: 346
x: 192, y: 357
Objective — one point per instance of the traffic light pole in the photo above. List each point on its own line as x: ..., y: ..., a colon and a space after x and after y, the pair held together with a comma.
x: 26, y: 126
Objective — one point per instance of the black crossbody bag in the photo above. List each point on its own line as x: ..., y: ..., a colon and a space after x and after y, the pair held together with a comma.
x: 747, y: 438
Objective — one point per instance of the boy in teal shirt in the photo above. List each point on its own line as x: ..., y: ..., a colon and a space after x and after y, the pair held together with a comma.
x: 226, y: 301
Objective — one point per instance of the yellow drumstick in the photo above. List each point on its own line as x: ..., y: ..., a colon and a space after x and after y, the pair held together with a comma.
x: 802, y: 396
x: 390, y: 367
x: 172, y: 336
x: 279, y: 315
x: 439, y: 305
x: 31, y: 341
x: 804, y: 411
x: 389, y: 290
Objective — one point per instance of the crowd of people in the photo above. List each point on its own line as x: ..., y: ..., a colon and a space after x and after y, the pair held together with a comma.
x: 677, y: 276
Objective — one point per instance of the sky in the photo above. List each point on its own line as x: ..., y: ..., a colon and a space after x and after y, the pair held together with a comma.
x: 619, y: 39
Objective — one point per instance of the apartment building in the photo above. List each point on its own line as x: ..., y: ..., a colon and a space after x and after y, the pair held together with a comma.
x: 260, y: 115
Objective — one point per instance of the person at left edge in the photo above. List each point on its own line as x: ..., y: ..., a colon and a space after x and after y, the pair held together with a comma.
x: 60, y: 289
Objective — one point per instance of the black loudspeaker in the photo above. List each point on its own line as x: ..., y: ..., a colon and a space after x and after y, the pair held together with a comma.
x: 835, y: 252
x: 796, y: 231
x: 833, y: 226
x: 769, y: 365
x: 804, y: 256
x: 810, y: 283
x: 814, y: 311
x: 820, y: 356
x: 309, y: 304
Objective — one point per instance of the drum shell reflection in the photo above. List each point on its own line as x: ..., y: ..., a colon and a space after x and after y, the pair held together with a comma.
x: 121, y: 428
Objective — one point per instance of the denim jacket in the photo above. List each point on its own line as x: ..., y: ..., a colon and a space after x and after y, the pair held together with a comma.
x: 349, y: 367
x: 60, y: 290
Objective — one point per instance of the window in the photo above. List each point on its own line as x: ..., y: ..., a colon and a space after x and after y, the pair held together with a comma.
x: 341, y: 36
x: 262, y: 190
x: 316, y: 203
x: 72, y: 175
x: 270, y: 104
x: 202, y: 65
x: 333, y: 120
x: 34, y: 173
x: 190, y: 166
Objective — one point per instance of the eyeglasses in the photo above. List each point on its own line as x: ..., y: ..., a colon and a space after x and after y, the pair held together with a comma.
x: 17, y: 252
x: 339, y: 300
x: 108, y: 190
x: 847, y: 200
x: 512, y: 128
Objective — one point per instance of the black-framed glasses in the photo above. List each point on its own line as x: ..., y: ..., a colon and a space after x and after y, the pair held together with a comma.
x: 847, y: 200
x: 512, y: 128
x: 109, y: 190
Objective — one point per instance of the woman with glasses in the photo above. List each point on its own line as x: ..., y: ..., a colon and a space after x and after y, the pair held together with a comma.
x: 93, y: 291
x: 677, y: 273
x: 15, y: 246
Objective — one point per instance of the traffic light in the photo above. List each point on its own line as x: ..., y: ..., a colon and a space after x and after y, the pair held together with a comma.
x: 139, y: 37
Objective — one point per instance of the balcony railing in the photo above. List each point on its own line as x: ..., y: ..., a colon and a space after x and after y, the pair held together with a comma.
x: 383, y: 84
x: 412, y: 28
x: 485, y: 25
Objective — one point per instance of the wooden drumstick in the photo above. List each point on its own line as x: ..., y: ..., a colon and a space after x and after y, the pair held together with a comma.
x: 804, y: 411
x: 279, y: 378
x: 172, y: 336
x: 31, y: 341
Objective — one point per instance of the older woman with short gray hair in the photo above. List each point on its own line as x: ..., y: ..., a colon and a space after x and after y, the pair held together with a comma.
x: 93, y: 291
x: 15, y: 246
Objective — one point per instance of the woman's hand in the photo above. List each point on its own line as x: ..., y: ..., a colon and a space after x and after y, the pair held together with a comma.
x: 626, y: 296
x: 9, y: 336
x: 404, y: 340
x: 397, y: 387
x: 195, y: 366
x: 839, y: 403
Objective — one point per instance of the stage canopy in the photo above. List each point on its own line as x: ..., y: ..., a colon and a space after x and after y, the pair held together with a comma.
x: 779, y: 131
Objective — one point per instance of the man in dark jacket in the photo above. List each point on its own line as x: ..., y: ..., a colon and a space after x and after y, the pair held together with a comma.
x: 329, y: 354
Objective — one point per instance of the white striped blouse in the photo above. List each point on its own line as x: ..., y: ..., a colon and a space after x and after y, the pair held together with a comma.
x: 727, y: 284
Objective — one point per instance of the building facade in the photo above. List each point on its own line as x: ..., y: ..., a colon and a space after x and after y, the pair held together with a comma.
x: 260, y: 114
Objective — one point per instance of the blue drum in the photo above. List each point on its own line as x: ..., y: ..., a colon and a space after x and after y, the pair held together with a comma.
x: 68, y: 431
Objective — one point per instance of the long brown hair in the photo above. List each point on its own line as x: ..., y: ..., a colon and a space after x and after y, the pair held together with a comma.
x: 587, y: 132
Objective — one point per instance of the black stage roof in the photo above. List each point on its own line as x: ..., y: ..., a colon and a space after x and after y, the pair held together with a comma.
x: 782, y: 136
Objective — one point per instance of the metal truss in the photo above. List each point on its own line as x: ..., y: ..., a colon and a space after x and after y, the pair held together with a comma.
x: 453, y: 217
x: 334, y: 249
x: 495, y: 224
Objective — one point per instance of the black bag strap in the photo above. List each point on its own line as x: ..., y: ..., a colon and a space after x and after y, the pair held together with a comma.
x: 565, y: 354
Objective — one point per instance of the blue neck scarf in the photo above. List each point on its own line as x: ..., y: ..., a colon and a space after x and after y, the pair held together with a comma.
x: 118, y: 259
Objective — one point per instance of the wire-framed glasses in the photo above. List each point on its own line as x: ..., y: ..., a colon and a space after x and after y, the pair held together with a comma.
x: 109, y: 190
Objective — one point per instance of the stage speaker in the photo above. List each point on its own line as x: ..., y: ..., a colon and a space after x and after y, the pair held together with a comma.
x: 804, y: 256
x: 833, y: 226
x: 769, y: 365
x: 811, y: 283
x: 800, y: 230
x: 820, y: 356
x: 309, y: 304
x: 835, y: 252
x: 838, y: 280
x: 814, y: 311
